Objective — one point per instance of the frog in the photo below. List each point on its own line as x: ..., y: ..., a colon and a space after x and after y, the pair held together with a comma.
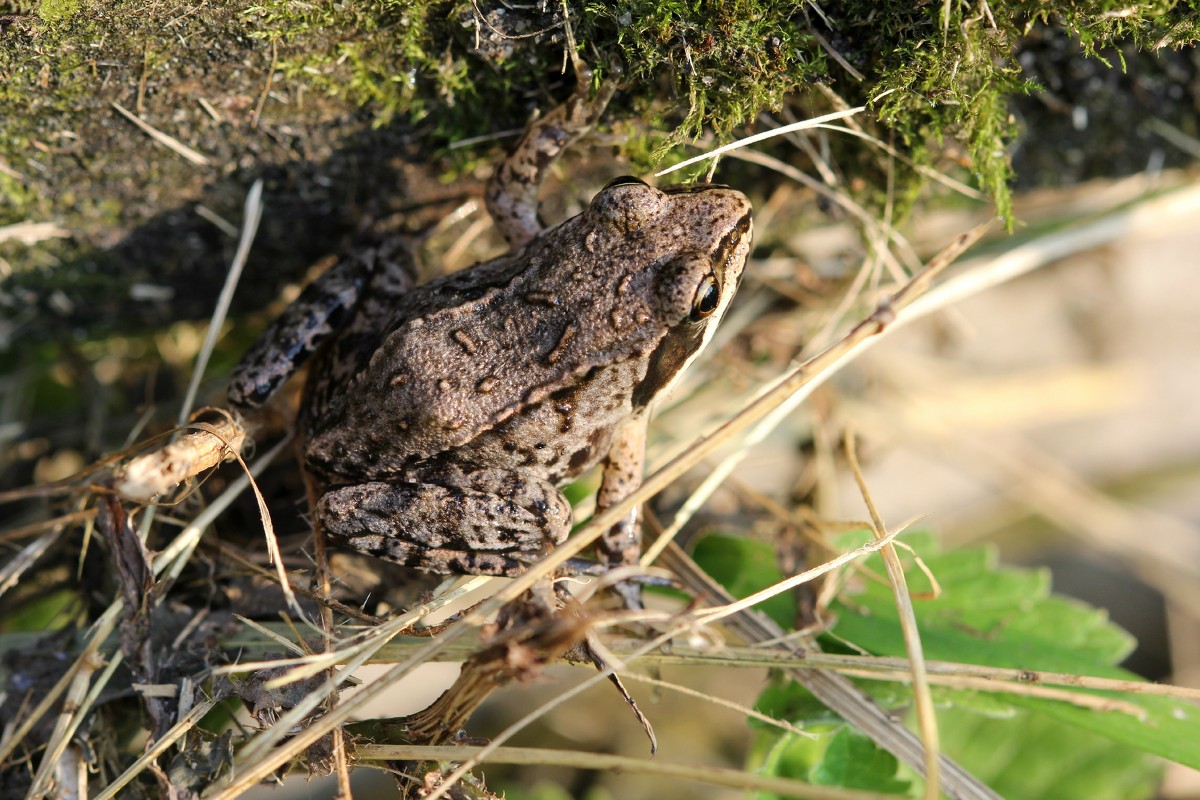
x: 441, y: 421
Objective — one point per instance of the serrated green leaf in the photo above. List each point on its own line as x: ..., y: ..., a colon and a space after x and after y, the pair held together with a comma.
x: 743, y: 567
x: 1033, y: 756
x: 1001, y: 616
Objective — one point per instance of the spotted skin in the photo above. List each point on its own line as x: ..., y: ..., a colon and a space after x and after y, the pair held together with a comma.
x: 440, y: 421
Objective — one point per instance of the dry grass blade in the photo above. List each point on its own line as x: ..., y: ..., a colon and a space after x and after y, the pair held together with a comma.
x: 251, y: 216
x: 352, y: 652
x: 889, y: 668
x: 257, y: 760
x: 688, y: 623
x: 176, y: 732
x: 922, y: 698
x: 86, y: 661
x: 714, y: 776
x: 732, y: 607
x: 16, y: 534
x: 758, y: 137
x: 259, y: 749
x: 928, y: 172
x: 169, y: 142
x: 77, y: 704
x: 1088, y: 701
x: 1026, y: 677
x: 171, y: 561
x: 11, y: 572
x: 744, y: 710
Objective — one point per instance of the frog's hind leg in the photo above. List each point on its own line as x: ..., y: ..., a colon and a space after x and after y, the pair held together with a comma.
x: 391, y: 273
x: 488, y: 522
x: 512, y: 192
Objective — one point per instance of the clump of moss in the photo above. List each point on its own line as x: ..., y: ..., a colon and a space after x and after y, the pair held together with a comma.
x: 927, y: 71
x: 288, y: 91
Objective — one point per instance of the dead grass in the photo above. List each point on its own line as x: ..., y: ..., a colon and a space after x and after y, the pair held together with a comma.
x: 778, y: 359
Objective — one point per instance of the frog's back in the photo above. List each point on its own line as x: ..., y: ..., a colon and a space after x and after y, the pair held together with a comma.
x: 479, y: 350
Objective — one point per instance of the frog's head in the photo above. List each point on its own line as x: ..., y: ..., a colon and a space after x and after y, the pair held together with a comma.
x: 687, y: 246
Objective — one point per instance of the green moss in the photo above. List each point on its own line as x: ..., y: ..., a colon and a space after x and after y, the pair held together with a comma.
x: 458, y: 69
x: 924, y: 75
x: 15, y: 200
x: 54, y: 11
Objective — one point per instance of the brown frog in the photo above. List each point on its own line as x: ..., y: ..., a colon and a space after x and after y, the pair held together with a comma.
x: 441, y: 420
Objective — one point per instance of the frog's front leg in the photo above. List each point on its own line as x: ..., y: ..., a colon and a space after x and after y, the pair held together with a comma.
x: 512, y: 192
x: 623, y: 468
x: 352, y: 297
x: 450, y: 520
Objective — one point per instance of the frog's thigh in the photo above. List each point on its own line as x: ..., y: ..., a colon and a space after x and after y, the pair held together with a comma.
x: 490, y: 522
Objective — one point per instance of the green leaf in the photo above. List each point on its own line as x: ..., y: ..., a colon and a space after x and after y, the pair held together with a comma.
x: 1001, y: 616
x: 743, y: 567
x: 841, y: 757
x: 788, y: 700
x: 854, y: 761
x: 1034, y: 756
x: 49, y: 612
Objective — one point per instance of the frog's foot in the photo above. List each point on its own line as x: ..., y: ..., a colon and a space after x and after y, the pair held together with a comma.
x: 485, y: 522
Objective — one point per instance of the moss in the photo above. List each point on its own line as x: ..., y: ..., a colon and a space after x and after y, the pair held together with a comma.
x: 54, y: 11
x: 927, y: 76
x: 430, y: 73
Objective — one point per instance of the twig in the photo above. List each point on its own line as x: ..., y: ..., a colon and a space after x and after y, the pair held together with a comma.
x: 758, y: 137
x: 262, y: 100
x: 741, y: 709
x: 162, y: 138
x: 923, y: 699
x: 715, y: 776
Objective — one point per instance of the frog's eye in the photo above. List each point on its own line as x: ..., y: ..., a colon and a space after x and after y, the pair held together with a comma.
x: 624, y: 180
x: 708, y: 297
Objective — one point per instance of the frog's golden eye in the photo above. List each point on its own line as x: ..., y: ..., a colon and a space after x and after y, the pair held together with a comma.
x: 708, y: 297
x: 624, y: 180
